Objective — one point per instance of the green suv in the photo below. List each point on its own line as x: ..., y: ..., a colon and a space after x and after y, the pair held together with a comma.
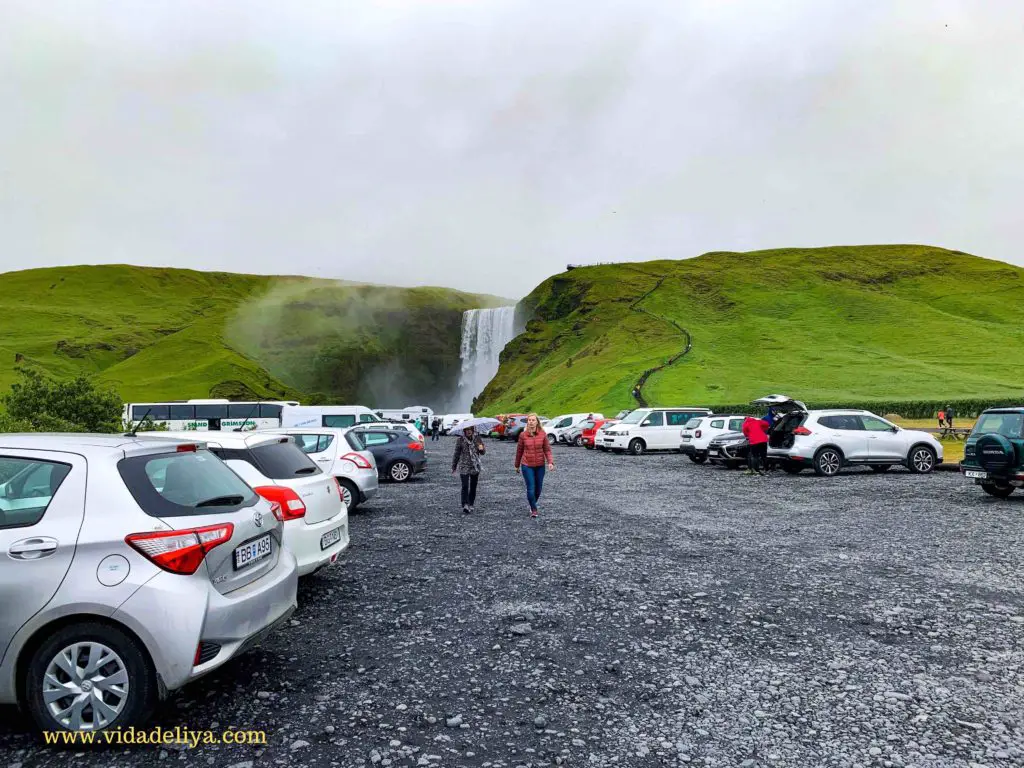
x: 994, y: 454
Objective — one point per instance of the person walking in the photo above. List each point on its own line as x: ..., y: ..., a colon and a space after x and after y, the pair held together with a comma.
x: 756, y: 432
x: 435, y: 427
x: 469, y: 447
x: 533, y: 456
x: 950, y: 413
x: 942, y: 419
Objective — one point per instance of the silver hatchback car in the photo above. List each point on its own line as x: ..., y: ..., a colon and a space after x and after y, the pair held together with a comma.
x: 129, y: 566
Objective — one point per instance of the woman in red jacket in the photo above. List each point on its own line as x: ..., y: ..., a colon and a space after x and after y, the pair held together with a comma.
x: 756, y: 432
x: 533, y: 452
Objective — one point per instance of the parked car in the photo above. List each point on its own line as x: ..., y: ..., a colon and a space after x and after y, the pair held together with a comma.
x: 315, y: 516
x: 700, y: 431
x: 599, y: 434
x: 130, y: 567
x: 828, y: 440
x: 514, y: 426
x: 402, y: 426
x: 451, y: 419
x: 588, y: 434
x: 558, y: 427
x: 728, y: 448
x: 505, y: 421
x: 342, y: 456
x: 650, y: 429
x: 994, y: 452
x: 399, y: 456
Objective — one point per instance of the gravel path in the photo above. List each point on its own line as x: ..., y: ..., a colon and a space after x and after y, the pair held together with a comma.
x: 657, y: 613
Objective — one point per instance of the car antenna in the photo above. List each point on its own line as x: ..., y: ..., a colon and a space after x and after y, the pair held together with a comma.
x: 242, y: 427
x: 133, y: 430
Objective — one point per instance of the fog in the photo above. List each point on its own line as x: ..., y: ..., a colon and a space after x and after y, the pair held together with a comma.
x: 484, y: 144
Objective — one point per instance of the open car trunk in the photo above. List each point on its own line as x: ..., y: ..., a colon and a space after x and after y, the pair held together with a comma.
x: 793, y: 414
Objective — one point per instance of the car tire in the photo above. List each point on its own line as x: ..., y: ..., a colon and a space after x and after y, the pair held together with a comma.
x: 552, y: 439
x: 349, y: 493
x: 637, y: 446
x: 578, y: 442
x: 880, y: 469
x: 792, y: 468
x: 133, y: 708
x: 828, y: 462
x: 921, y: 460
x: 999, y: 491
x: 699, y: 457
x: 400, y: 471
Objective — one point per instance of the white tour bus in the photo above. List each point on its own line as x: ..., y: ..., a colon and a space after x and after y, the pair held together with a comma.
x: 331, y: 416
x: 409, y: 413
x: 226, y: 415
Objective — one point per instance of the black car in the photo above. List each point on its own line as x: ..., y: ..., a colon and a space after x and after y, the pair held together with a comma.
x: 730, y: 449
x: 994, y: 452
x: 398, y: 455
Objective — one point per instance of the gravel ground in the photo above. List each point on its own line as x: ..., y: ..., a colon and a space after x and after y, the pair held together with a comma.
x: 657, y: 613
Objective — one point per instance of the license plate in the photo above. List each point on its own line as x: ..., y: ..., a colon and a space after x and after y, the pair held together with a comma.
x: 713, y: 452
x: 252, y: 552
x: 329, y: 538
x: 686, y: 438
x: 976, y: 475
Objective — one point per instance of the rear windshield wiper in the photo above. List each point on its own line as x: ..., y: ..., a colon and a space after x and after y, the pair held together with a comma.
x: 307, y: 471
x: 222, y: 501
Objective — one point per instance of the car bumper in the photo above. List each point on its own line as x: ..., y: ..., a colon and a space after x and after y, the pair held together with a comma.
x: 419, y: 466
x: 174, y: 614
x: 303, y: 541
x: 689, y: 449
x: 368, y: 483
x: 615, y: 442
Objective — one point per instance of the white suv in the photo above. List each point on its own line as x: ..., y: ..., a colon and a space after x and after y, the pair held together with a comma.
x: 699, y: 432
x: 308, y: 501
x: 650, y: 429
x: 828, y: 440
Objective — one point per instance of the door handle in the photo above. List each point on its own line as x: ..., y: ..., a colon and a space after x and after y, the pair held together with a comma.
x: 33, y: 549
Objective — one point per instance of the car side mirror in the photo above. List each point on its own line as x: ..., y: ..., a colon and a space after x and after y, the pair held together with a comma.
x: 895, y: 428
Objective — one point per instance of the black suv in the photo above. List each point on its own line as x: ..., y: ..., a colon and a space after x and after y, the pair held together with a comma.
x: 994, y: 453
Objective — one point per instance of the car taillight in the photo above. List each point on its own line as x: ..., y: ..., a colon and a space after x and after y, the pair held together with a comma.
x: 802, y: 431
x: 358, y: 460
x: 180, y: 551
x: 697, y: 433
x: 416, y: 446
x: 291, y: 506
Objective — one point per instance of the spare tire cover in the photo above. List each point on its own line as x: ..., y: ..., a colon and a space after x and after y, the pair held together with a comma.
x: 995, y: 453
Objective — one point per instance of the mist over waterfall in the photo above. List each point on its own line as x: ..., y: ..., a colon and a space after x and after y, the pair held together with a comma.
x: 485, y: 332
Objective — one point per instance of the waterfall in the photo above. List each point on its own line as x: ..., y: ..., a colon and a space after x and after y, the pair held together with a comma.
x: 485, y: 332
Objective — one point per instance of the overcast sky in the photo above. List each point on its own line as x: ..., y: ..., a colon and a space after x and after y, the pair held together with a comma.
x: 484, y: 144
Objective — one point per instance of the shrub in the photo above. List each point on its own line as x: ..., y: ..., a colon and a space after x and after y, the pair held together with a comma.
x: 39, y: 403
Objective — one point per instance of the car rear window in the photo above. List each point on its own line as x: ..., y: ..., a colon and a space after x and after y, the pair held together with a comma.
x: 1005, y: 424
x: 283, y: 461
x: 183, y: 484
x: 26, y: 488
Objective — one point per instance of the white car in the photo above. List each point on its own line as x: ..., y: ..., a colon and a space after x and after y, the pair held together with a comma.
x: 451, y: 419
x: 698, y: 432
x: 558, y: 427
x: 828, y: 440
x: 649, y: 429
x: 337, y: 454
x: 402, y: 426
x: 308, y: 501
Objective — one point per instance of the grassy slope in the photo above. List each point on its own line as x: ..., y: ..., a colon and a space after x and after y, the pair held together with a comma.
x: 171, y: 333
x: 826, y: 324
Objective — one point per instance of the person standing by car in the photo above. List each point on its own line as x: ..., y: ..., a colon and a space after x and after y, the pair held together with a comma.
x: 469, y: 447
x: 533, y: 456
x: 756, y: 432
x: 950, y: 413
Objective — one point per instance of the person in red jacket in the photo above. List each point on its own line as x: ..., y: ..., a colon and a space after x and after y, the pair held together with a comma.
x: 533, y: 452
x: 756, y: 432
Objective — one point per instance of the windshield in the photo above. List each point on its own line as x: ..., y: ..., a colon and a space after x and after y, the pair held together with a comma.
x: 1005, y: 424
x: 635, y: 417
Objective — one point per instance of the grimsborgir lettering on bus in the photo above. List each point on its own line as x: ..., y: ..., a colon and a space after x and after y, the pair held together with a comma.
x: 204, y: 415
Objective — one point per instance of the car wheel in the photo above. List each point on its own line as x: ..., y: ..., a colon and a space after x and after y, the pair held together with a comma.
x: 578, y: 442
x: 698, y: 458
x: 999, y: 491
x: 881, y: 468
x: 90, y: 677
x: 552, y: 439
x: 636, y: 446
x: 828, y: 462
x: 400, y: 471
x: 792, y: 468
x: 921, y: 460
x: 349, y: 493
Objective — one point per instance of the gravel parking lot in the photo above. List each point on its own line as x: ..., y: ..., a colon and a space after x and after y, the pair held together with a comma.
x: 657, y: 613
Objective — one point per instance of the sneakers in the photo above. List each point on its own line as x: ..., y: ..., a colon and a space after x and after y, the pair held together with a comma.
x: 533, y: 513
x: 472, y: 508
x: 465, y: 509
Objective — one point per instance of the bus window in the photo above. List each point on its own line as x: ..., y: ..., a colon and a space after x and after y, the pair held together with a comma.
x: 156, y: 412
x: 182, y: 412
x: 243, y: 411
x: 270, y: 411
x: 211, y: 412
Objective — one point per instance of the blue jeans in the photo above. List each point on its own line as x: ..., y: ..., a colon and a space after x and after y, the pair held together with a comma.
x: 534, y: 479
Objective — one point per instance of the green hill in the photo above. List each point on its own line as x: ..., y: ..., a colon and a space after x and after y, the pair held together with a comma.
x: 871, y: 324
x: 175, y: 334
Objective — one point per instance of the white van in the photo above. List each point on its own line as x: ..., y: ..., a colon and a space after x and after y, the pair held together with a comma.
x: 650, y: 429
x: 558, y: 426
x: 409, y: 413
x: 333, y: 416
x: 451, y: 419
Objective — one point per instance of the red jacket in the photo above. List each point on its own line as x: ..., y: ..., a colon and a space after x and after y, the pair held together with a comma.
x: 533, y: 451
x: 756, y: 430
